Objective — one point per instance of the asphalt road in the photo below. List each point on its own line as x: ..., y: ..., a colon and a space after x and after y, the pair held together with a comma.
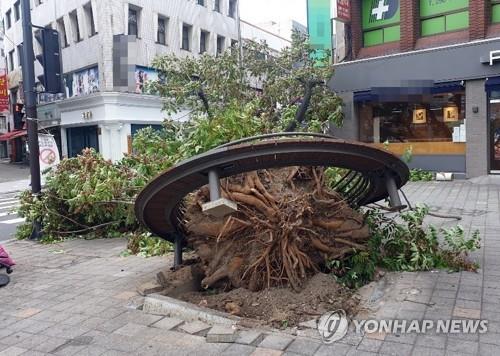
x: 9, y: 220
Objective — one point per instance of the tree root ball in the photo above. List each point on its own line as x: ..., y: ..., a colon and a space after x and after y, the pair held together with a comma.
x: 289, y: 224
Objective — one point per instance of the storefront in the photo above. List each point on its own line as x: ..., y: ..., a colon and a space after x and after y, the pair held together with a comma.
x: 442, y: 105
x: 494, y: 128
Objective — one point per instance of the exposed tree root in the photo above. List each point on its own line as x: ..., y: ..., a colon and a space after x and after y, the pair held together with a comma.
x: 287, y: 227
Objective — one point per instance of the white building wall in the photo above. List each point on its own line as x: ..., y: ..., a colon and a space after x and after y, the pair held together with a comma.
x: 114, y: 112
x: 255, y: 33
x: 111, y: 18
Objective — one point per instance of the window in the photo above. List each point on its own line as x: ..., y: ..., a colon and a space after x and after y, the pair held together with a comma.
x: 20, y: 54
x: 62, y: 31
x: 201, y: 2
x: 443, y: 16
x: 73, y: 16
x: 495, y: 11
x: 380, y: 22
x: 186, y: 37
x: 89, y: 14
x: 220, y: 44
x: 162, y: 30
x: 232, y: 9
x: 429, y: 123
x: 11, y: 60
x: 204, y: 38
x: 8, y: 18
x: 217, y: 5
x: 133, y: 22
x: 39, y: 2
x: 17, y: 10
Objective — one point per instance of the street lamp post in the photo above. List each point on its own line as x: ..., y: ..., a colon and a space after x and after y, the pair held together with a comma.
x: 28, y: 69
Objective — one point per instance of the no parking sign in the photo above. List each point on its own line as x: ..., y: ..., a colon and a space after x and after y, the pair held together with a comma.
x: 49, y: 153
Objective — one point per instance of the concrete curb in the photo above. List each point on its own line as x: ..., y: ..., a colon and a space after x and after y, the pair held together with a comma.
x: 163, y: 305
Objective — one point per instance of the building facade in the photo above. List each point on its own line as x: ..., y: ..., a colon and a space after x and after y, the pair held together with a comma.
x: 107, y: 50
x: 423, y: 76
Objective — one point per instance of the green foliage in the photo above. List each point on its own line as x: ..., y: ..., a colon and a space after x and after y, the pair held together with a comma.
x: 407, y: 155
x: 419, y: 175
x: 274, y: 82
x: 145, y: 245
x: 412, y: 246
x: 406, y: 244
x: 232, y: 123
x: 355, y: 271
x: 82, y: 195
x: 227, y: 99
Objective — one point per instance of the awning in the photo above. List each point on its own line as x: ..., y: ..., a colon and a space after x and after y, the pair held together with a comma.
x: 409, y: 93
x: 12, y: 135
x: 492, y: 84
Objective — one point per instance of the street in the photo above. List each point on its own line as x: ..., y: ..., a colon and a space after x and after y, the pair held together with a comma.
x: 9, y: 220
x: 13, y: 180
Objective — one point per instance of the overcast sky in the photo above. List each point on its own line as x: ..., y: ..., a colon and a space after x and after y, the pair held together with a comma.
x: 256, y: 11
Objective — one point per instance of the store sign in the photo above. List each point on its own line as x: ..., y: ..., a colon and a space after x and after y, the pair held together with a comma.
x: 4, y: 95
x: 378, y: 13
x: 343, y: 11
x: 494, y: 56
x: 450, y: 114
x: 49, y: 153
x: 419, y: 116
x: 319, y: 26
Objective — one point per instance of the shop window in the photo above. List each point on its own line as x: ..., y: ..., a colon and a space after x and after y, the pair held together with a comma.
x: 380, y: 22
x: 443, y: 16
x: 432, y: 123
x: 495, y: 11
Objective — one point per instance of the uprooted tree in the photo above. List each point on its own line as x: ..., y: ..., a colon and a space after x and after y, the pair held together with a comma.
x: 289, y: 223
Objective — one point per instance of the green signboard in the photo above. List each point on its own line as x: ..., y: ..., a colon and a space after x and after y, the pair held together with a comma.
x: 379, y: 13
x: 319, y: 25
x: 380, y: 21
x: 437, y: 7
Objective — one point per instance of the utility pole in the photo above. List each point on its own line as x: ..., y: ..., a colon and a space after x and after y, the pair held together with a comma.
x: 30, y: 106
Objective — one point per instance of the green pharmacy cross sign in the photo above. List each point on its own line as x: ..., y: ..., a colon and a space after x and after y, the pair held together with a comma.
x: 380, y: 13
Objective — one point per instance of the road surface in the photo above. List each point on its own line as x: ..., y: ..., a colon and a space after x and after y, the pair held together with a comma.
x: 9, y: 220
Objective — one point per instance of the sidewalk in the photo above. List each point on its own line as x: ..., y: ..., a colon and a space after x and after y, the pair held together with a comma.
x: 78, y: 297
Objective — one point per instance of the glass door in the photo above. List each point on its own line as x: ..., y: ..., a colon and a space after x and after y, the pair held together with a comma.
x: 494, y: 141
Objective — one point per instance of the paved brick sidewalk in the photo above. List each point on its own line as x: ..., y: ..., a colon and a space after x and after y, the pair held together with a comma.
x: 77, y: 298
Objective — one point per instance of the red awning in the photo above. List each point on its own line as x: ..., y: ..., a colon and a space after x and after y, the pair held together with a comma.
x: 12, y: 135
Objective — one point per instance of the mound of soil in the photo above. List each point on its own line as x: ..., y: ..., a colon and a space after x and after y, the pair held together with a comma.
x: 280, y: 307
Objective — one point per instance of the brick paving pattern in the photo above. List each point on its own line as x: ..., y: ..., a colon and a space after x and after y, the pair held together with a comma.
x: 79, y: 297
